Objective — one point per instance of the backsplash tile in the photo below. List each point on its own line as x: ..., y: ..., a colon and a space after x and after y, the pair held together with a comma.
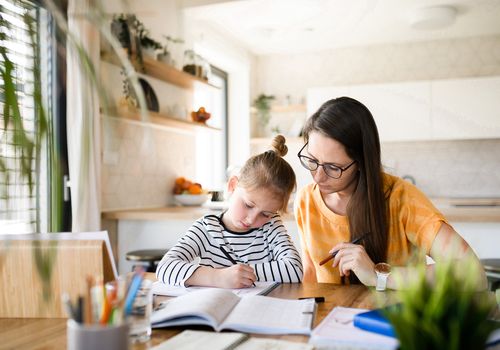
x: 462, y: 168
x: 148, y: 161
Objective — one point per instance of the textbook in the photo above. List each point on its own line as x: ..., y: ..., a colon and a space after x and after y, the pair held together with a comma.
x: 222, y: 309
x: 261, y: 288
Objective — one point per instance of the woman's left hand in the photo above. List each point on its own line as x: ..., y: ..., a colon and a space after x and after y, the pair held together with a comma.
x: 353, y: 257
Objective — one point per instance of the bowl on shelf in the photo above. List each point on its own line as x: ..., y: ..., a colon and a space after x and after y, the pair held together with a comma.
x: 191, y: 199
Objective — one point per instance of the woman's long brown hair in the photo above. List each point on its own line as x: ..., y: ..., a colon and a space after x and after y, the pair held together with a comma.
x: 349, y: 122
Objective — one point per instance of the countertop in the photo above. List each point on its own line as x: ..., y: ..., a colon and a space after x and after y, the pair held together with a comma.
x: 454, y: 209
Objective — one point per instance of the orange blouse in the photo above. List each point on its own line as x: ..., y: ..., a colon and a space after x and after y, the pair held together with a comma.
x: 413, y: 223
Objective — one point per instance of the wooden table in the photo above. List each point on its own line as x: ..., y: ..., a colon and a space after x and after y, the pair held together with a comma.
x: 51, y: 333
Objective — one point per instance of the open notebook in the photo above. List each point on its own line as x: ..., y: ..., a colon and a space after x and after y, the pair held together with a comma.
x: 222, y: 309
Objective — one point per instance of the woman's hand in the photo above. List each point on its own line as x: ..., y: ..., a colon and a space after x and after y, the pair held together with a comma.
x: 353, y: 257
x: 236, y: 276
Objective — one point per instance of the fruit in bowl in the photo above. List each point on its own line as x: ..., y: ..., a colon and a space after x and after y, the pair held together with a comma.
x: 187, y: 192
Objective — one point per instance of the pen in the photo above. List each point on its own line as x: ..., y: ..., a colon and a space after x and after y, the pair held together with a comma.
x: 135, y: 284
x: 230, y: 258
x: 331, y: 256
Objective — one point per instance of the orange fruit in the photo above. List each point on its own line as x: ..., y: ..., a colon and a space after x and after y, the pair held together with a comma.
x: 195, y: 189
x: 180, y: 180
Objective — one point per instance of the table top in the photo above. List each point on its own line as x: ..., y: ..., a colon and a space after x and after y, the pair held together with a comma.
x: 51, y: 333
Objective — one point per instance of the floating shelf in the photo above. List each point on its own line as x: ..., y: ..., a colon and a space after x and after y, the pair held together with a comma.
x: 288, y: 108
x: 160, y: 121
x: 161, y: 71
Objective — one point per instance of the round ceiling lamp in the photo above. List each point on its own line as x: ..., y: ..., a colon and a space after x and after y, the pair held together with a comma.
x: 435, y: 17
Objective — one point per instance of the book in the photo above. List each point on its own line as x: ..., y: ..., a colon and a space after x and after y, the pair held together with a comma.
x: 195, y: 340
x: 261, y: 288
x: 374, y: 321
x: 222, y: 309
x: 336, y: 331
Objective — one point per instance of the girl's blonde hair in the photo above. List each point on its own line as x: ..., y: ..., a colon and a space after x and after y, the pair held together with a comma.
x: 270, y: 171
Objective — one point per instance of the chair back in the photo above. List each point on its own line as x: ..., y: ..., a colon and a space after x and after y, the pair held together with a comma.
x: 36, y: 269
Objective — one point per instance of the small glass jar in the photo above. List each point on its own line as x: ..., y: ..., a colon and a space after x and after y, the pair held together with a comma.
x: 189, y: 62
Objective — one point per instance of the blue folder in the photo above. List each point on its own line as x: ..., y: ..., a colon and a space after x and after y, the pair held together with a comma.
x: 374, y: 321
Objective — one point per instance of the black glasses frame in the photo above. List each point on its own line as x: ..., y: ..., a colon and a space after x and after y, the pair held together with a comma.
x: 318, y: 164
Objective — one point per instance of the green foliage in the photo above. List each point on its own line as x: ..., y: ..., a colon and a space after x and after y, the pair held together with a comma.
x: 263, y: 105
x: 169, y: 39
x: 448, y: 313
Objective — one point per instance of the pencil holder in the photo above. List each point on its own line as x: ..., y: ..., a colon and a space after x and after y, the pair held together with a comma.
x: 85, y: 337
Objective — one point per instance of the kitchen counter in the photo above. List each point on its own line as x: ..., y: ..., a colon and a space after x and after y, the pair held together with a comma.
x: 454, y: 209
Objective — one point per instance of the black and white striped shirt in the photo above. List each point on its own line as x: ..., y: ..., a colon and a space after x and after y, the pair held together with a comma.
x: 268, y: 250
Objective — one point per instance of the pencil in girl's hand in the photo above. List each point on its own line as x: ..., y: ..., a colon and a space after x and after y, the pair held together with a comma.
x: 331, y: 256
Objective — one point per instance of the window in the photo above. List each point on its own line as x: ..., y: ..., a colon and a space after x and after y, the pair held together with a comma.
x: 22, y: 209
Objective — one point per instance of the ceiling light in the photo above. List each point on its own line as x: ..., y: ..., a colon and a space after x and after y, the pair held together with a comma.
x: 435, y: 17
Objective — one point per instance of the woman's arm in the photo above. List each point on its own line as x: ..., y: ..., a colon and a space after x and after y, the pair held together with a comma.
x: 309, y: 269
x: 448, y: 244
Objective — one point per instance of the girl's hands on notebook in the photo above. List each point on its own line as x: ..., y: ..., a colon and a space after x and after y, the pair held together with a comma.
x: 236, y: 276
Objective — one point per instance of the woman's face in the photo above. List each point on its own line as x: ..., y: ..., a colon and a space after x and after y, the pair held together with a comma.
x: 324, y: 149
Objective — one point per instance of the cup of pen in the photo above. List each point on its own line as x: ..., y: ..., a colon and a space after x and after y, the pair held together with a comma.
x: 97, y: 336
x: 139, y: 313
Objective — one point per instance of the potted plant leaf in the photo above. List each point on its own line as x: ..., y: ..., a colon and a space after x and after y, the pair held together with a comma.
x: 120, y: 29
x: 147, y: 45
x: 447, y: 313
x: 262, y: 105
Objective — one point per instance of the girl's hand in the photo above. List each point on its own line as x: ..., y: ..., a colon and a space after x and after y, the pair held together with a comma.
x: 353, y: 257
x: 236, y: 276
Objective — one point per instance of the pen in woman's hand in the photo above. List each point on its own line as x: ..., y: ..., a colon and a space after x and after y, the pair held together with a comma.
x: 331, y: 256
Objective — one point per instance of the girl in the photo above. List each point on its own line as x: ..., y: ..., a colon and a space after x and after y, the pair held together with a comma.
x: 352, y: 197
x: 246, y: 243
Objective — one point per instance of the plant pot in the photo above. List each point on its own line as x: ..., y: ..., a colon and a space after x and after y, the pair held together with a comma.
x: 148, y: 51
x: 165, y: 58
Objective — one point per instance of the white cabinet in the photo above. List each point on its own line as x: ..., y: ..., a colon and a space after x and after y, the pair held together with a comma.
x: 466, y: 108
x: 401, y: 110
x: 426, y: 110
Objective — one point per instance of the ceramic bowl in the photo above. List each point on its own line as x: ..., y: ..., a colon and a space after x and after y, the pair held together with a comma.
x: 191, y: 199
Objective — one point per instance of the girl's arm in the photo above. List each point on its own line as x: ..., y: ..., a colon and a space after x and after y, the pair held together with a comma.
x: 286, y: 265
x: 177, y: 265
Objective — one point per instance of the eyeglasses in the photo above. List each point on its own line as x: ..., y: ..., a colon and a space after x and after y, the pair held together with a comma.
x: 330, y: 170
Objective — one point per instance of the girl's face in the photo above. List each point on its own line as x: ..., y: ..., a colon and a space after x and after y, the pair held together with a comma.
x: 249, y: 209
x: 324, y: 149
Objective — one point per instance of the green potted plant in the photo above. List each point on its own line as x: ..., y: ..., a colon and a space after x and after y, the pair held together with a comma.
x: 262, y: 105
x: 147, y: 45
x: 165, y: 55
x: 448, y: 313
x: 120, y: 29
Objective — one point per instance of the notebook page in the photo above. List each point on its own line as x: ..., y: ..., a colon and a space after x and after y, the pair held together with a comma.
x: 212, y: 304
x: 175, y: 291
x: 269, y: 315
x: 196, y: 340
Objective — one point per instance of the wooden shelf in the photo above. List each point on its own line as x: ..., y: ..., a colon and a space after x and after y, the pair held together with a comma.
x: 288, y: 108
x: 161, y: 71
x: 160, y: 121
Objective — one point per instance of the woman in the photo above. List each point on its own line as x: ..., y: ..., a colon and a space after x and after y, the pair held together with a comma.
x: 352, y: 197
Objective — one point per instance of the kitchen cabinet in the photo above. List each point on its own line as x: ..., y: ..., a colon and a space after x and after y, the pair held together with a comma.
x: 466, y: 108
x: 426, y: 110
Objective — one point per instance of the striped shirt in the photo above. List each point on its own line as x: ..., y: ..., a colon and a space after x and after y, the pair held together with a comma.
x: 267, y: 249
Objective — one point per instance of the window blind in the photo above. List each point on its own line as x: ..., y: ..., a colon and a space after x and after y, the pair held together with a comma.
x: 18, y: 205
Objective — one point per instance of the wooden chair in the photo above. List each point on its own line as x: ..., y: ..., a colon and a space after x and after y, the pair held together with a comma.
x: 64, y: 259
x: 492, y: 270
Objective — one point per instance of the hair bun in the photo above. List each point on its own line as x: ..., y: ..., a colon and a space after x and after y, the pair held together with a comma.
x: 278, y: 145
